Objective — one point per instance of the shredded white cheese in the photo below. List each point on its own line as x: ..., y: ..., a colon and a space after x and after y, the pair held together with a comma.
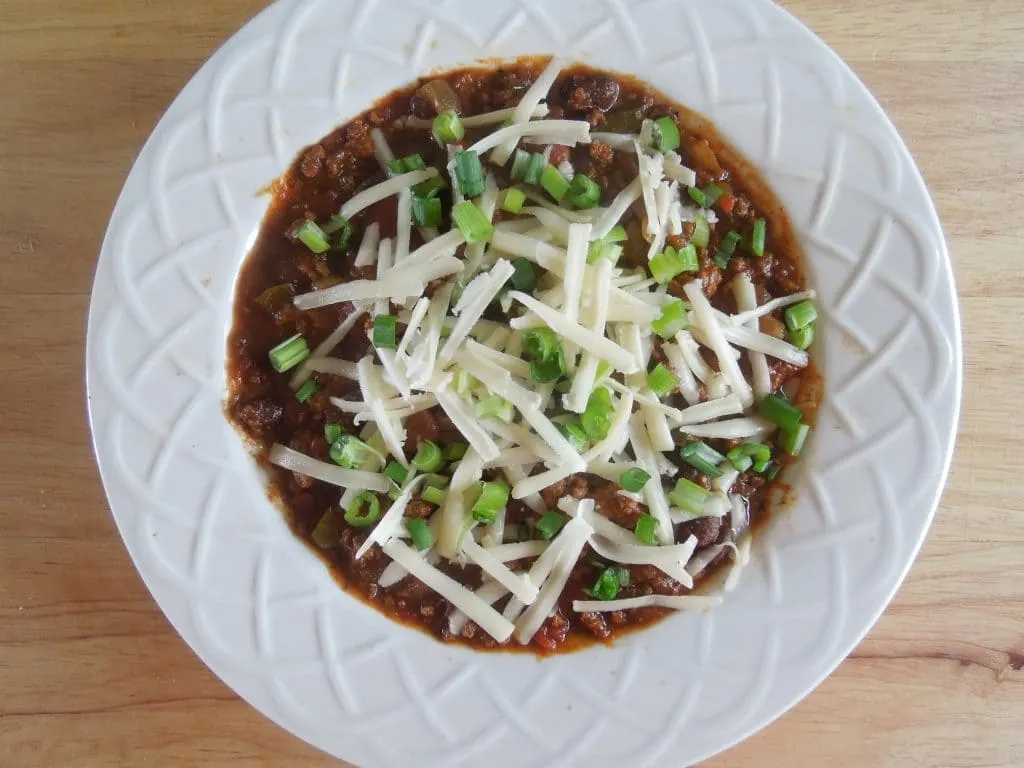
x: 526, y: 107
x: 705, y: 316
x: 676, y: 602
x: 287, y: 458
x: 363, y: 200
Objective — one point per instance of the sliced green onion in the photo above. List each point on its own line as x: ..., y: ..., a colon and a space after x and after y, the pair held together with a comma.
x: 801, y: 315
x: 437, y: 481
x: 513, y: 200
x: 407, y: 164
x: 634, y: 480
x: 665, y: 265
x: 327, y: 533
x: 428, y: 457
x: 726, y: 249
x: 469, y: 173
x: 666, y: 134
x: 689, y: 496
x: 662, y: 381
x: 802, y: 338
x: 604, y: 370
x: 672, y: 319
x: 447, y: 128
x: 712, y: 193
x: 426, y: 211
x: 332, y: 432
x: 773, y: 471
x: 549, y: 524
x: 554, y: 183
x: 702, y: 457
x: 306, y: 391
x: 778, y: 410
x: 339, y: 231
x: 396, y: 472
x: 433, y: 495
x: 698, y: 196
x: 463, y: 381
x: 596, y: 418
x: 544, y: 371
x: 647, y: 529
x: 540, y: 343
x: 472, y: 223
x: 313, y: 237
x: 524, y: 278
x: 492, y: 499
x: 701, y: 232
x: 792, y: 440
x: 289, y: 353
x: 520, y: 164
x: 431, y: 187
x: 420, y: 534
x: 535, y: 168
x: 455, y: 451
x: 357, y: 516
x: 575, y: 434
x: 607, y: 585
x: 688, y: 258
x: 495, y: 407
x: 617, y: 234
x: 349, y: 451
x: 384, y: 331
x: 760, y: 465
x: 747, y: 455
x: 584, y: 192
x: 604, y: 249
x: 758, y: 237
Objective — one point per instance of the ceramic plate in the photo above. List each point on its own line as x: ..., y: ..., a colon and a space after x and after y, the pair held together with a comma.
x: 265, y: 615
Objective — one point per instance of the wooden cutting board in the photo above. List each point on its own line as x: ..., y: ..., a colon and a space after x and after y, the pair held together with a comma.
x: 91, y: 672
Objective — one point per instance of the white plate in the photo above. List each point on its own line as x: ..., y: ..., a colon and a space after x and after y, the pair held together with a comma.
x: 263, y: 613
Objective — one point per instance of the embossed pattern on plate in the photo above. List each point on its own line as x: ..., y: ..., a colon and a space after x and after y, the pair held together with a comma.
x: 264, y: 614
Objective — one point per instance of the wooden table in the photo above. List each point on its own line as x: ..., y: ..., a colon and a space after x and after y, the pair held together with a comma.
x: 91, y: 672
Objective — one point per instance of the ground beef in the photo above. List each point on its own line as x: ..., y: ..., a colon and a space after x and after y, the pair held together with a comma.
x: 573, y: 485
x: 601, y: 153
x: 587, y: 92
x: 419, y: 427
x: 706, y: 529
x: 616, y: 507
x: 371, y: 565
x: 419, y: 509
x: 710, y: 275
x: 312, y: 161
x: 552, y: 632
x: 780, y: 372
x: 595, y: 624
x: 261, y: 415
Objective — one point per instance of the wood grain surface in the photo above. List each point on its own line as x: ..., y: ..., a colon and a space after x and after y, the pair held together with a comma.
x: 91, y: 672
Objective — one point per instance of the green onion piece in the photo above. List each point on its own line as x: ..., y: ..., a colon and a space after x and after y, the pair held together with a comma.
x: 747, y: 455
x: 455, y: 451
x: 758, y: 237
x: 666, y: 134
x: 801, y: 315
x: 697, y: 196
x: 433, y: 495
x: 397, y: 166
x: 540, y: 343
x: 524, y: 278
x: 426, y: 211
x: 535, y: 168
x: 463, y: 381
x: 575, y: 434
x: 357, y: 516
x: 289, y: 353
x: 520, y: 164
x: 778, y: 410
x: 469, y: 173
x: 349, y: 451
x: 729, y: 242
x: 407, y: 164
x: 616, y: 235
x: 665, y: 266
x: 760, y: 465
x: 689, y: 496
x: 306, y: 391
x: 607, y: 585
x: 712, y: 193
x: 384, y: 331
x: 428, y: 457
x: 472, y: 223
x: 622, y: 574
x: 688, y: 258
x: 633, y: 480
x: 584, y: 192
x: 396, y: 472
x: 438, y: 481
x: 492, y: 499
x: 596, y: 418
x: 332, y: 432
x: 339, y: 231
x: 431, y: 187
x: 495, y: 407
x: 514, y: 200
x: 721, y: 260
x: 773, y: 471
x: 792, y: 440
x: 549, y: 524
x: 554, y: 183
x: 313, y: 237
x: 604, y: 249
x: 604, y: 370
x: 420, y: 534
x: 327, y: 533
x: 701, y: 232
x: 702, y: 457
x: 672, y: 320
x: 662, y: 381
x: 802, y: 338
x: 544, y: 371
x: 448, y: 128
x: 647, y: 529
